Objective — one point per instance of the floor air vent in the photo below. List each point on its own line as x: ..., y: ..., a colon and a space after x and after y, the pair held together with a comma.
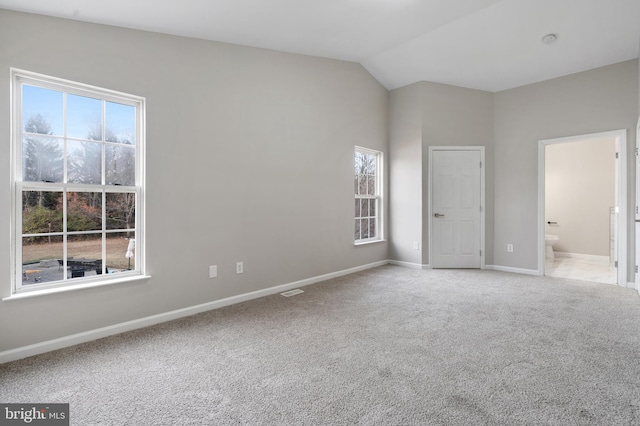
x: 292, y: 292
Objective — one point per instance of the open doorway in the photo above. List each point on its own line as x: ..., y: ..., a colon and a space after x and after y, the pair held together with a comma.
x: 582, y: 207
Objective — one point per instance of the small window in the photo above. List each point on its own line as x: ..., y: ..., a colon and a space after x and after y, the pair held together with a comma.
x: 368, y: 199
x: 78, y: 183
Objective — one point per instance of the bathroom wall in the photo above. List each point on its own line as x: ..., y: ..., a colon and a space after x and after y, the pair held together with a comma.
x: 579, y: 191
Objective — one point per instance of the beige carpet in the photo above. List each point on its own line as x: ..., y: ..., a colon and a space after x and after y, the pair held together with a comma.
x: 388, y: 346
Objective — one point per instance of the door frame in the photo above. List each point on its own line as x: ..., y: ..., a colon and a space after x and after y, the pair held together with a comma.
x: 620, y: 137
x: 483, y: 167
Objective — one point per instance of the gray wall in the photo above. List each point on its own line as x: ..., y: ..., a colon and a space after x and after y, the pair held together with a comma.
x: 456, y: 116
x: 432, y: 114
x: 593, y: 101
x: 405, y: 174
x: 579, y: 193
x: 249, y: 158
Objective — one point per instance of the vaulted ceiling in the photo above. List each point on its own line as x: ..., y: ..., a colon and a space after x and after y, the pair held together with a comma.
x: 483, y: 44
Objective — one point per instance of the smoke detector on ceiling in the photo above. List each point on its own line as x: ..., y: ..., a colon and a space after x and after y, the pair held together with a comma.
x: 549, y: 38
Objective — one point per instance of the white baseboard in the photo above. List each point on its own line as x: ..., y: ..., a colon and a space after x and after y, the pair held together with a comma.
x: 87, y: 336
x: 514, y: 270
x: 590, y: 257
x: 409, y: 264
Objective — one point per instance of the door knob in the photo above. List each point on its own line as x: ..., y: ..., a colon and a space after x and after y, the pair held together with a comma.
x: 438, y: 215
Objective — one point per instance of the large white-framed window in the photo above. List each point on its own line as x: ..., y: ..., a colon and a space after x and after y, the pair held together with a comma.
x: 368, y: 195
x: 77, y: 184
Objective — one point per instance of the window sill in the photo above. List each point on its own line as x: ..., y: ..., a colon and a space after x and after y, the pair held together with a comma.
x: 364, y: 243
x: 56, y: 290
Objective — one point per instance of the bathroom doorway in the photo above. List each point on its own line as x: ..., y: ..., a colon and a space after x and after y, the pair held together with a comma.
x: 582, y: 189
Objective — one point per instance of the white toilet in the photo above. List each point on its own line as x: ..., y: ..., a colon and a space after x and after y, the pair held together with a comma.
x: 549, y: 241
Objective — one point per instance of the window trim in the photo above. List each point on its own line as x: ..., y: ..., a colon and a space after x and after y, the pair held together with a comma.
x: 18, y: 78
x: 379, y: 196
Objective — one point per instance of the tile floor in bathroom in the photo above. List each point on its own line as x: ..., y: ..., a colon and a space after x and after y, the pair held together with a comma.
x: 581, y: 269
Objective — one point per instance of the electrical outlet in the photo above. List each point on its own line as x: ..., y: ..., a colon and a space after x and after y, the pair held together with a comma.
x: 416, y: 245
x: 510, y: 248
x: 239, y: 268
x: 213, y: 271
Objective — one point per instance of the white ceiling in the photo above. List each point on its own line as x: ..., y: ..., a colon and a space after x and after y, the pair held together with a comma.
x: 483, y: 44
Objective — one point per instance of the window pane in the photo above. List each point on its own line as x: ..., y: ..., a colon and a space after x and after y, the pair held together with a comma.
x: 41, y: 110
x: 42, y: 159
x: 372, y: 228
x: 364, y: 207
x: 41, y: 212
x: 357, y: 163
x: 357, y: 208
x: 371, y: 185
x: 364, y: 228
x: 362, y: 184
x: 120, y: 164
x: 84, y: 255
x: 121, y: 123
x: 84, y: 117
x: 41, y: 259
x: 84, y: 162
x: 372, y: 207
x: 357, y: 229
x: 119, y: 257
x: 371, y: 164
x: 84, y: 211
x: 121, y: 210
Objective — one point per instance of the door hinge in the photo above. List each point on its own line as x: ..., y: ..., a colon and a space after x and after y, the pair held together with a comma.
x: 481, y: 164
x: 615, y: 264
x: 636, y: 269
x: 636, y: 209
x: 617, y: 155
x: 481, y: 253
x: 636, y: 151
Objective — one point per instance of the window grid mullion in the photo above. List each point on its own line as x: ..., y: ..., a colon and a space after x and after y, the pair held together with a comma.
x: 65, y: 251
x: 65, y: 179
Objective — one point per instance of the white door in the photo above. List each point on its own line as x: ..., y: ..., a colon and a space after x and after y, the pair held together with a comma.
x: 455, y: 219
